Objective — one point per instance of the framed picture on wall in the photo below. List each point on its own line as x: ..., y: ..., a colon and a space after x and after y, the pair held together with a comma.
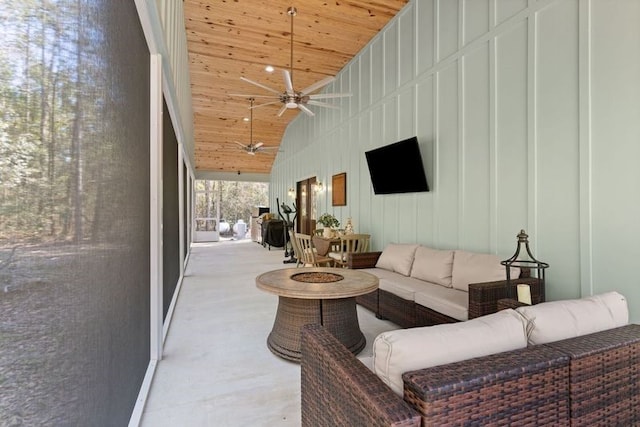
x: 339, y: 192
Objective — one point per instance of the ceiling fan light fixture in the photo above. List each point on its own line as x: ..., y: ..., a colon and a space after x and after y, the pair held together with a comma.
x: 269, y: 69
x: 290, y: 98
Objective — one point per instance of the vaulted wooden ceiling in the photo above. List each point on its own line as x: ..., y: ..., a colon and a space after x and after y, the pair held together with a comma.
x: 228, y: 39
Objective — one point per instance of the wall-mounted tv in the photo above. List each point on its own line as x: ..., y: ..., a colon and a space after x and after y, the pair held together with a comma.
x: 397, y: 168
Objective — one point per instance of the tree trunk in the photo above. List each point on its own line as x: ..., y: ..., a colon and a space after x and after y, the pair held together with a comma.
x: 76, y: 182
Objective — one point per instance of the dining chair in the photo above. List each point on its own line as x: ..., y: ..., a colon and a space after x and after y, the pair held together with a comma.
x: 309, y: 254
x: 296, y: 249
x: 349, y: 243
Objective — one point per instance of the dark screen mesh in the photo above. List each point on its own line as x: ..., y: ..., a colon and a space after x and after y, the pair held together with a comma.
x: 170, y: 212
x: 74, y: 212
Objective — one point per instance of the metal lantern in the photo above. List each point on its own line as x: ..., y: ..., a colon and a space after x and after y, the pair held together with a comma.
x: 527, y: 261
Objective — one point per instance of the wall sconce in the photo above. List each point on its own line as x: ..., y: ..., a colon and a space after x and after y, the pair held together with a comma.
x: 319, y: 188
x: 292, y: 193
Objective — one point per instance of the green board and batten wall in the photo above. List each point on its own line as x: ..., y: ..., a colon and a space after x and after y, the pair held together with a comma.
x: 528, y: 117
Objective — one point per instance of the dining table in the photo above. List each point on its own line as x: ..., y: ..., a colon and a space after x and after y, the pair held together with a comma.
x: 323, y: 244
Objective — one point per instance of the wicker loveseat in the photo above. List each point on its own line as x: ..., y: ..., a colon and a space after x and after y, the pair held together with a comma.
x: 586, y: 380
x: 420, y: 286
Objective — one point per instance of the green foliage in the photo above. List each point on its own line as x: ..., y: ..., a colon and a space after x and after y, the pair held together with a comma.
x: 328, y: 220
x: 62, y: 166
x: 55, y: 128
x: 237, y: 199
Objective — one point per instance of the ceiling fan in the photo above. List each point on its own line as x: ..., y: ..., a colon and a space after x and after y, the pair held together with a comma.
x: 252, y: 148
x: 291, y: 98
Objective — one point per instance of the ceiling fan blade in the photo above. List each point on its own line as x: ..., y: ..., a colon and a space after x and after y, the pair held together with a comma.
x: 323, y: 104
x: 288, y: 84
x: 251, y: 153
x: 259, y: 85
x: 317, y: 85
x: 258, y: 144
x: 269, y: 151
x: 244, y: 95
x: 282, y: 110
x: 329, y: 95
x: 306, y: 110
x: 240, y: 144
x: 266, y: 103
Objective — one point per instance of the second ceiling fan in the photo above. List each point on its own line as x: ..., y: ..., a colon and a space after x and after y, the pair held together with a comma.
x: 291, y: 98
x: 253, y: 148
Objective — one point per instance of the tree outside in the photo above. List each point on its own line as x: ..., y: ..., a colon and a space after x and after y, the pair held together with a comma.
x: 74, y: 212
x: 237, y: 201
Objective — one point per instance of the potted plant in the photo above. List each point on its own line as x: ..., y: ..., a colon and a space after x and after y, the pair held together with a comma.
x: 328, y: 221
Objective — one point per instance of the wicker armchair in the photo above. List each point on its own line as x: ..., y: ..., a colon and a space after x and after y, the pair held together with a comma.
x: 584, y: 381
x: 338, y: 390
x: 522, y: 387
x: 604, y: 378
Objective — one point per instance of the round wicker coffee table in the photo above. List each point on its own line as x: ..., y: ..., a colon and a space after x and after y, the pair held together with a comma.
x: 315, y: 295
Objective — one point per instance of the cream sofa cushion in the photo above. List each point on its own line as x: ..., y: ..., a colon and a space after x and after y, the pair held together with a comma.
x: 381, y: 273
x: 397, y: 257
x: 448, y: 301
x: 404, y: 350
x: 558, y: 320
x: 469, y: 267
x: 399, y: 288
x: 432, y: 265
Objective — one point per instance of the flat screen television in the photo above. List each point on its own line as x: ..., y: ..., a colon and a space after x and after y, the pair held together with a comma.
x: 397, y: 168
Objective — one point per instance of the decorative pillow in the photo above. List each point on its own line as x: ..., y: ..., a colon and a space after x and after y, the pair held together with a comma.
x: 397, y: 257
x: 404, y: 350
x: 558, y: 320
x: 469, y: 267
x: 432, y: 265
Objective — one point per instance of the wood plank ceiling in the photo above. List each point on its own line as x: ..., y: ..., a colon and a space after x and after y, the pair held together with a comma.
x: 228, y: 39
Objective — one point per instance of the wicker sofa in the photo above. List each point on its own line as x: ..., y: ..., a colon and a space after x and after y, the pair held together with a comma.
x: 586, y: 380
x: 420, y: 286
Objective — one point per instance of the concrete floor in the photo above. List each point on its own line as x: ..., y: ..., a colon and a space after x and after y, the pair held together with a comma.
x: 217, y: 369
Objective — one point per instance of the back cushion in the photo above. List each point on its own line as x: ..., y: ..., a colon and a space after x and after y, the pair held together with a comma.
x: 398, y: 258
x: 469, y: 267
x: 404, y: 350
x: 433, y: 266
x: 558, y: 320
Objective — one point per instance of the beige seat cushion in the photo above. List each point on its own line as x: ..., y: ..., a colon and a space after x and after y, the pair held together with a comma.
x: 337, y: 256
x: 558, y: 320
x: 469, y: 267
x: 381, y: 273
x: 406, y: 287
x: 432, y: 265
x: 397, y: 257
x: 451, y: 302
x: 403, y: 350
x: 399, y: 288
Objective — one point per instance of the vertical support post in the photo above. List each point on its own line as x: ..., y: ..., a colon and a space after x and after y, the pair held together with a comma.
x: 181, y: 216
x: 155, y: 211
